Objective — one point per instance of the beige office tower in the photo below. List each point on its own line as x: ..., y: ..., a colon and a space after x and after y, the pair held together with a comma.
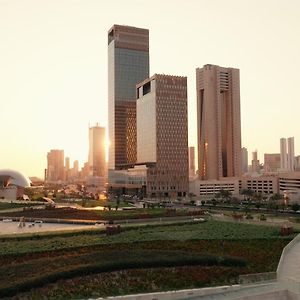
x: 291, y: 154
x: 255, y: 165
x: 271, y: 162
x: 55, y: 166
x: 219, y: 122
x: 192, y: 170
x: 162, y: 134
x: 287, y: 154
x: 67, y: 168
x: 244, y: 160
x: 283, y: 154
x: 96, y: 161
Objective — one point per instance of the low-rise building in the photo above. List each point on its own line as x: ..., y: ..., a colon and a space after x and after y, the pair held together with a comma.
x: 289, y: 185
x: 209, y: 188
x: 259, y: 184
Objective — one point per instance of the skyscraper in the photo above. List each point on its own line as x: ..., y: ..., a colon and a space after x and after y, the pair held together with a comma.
x: 291, y: 154
x: 97, y: 151
x: 55, y: 166
x: 283, y: 154
x: 162, y: 134
x: 287, y: 154
x: 219, y: 122
x: 192, y: 169
x: 128, y: 64
x: 244, y: 160
x: 255, y: 166
x: 271, y: 162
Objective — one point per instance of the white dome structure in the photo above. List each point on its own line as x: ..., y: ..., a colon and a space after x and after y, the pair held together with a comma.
x: 15, y: 178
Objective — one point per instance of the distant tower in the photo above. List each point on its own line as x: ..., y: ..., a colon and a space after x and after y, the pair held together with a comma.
x: 255, y: 162
x: 128, y: 64
x: 97, y: 151
x: 162, y: 134
x: 67, y: 168
x: 271, y: 162
x: 283, y: 154
x: 55, y: 166
x: 192, y: 169
x: 291, y: 154
x: 244, y: 160
x: 75, y: 168
x: 219, y: 122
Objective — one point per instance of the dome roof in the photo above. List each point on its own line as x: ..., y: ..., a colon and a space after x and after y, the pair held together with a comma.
x: 16, y: 178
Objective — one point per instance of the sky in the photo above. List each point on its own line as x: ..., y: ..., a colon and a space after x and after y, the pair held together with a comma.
x: 53, y: 68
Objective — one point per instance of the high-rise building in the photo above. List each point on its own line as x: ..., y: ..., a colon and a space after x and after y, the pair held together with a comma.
x: 75, y: 169
x: 162, y: 134
x: 97, y: 151
x: 271, y: 162
x: 219, y: 122
x: 255, y: 166
x: 290, y: 154
x: 55, y: 166
x: 192, y: 169
x: 128, y: 64
x: 67, y: 168
x: 287, y: 154
x: 244, y: 158
x: 297, y: 161
x: 283, y: 154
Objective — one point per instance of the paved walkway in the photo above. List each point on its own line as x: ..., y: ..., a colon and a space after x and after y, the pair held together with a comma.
x: 9, y: 227
x: 289, y: 265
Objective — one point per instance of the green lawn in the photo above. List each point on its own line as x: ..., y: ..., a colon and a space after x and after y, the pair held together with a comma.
x: 187, y: 231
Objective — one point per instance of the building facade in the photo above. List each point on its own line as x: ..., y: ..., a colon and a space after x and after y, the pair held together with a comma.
x: 192, y: 169
x: 96, y: 160
x: 244, y: 160
x: 55, y: 166
x: 291, y: 154
x: 162, y: 134
x: 219, y: 122
x: 259, y: 184
x: 208, y: 189
x: 128, y: 64
x: 255, y: 165
x: 271, y: 162
x: 289, y: 185
x: 287, y: 154
x: 283, y: 154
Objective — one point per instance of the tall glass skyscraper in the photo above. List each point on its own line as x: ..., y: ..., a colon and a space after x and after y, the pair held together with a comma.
x: 128, y: 64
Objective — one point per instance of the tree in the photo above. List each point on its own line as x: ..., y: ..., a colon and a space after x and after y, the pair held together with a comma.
x: 276, y: 197
x: 225, y: 194
x: 258, y: 198
x: 248, y: 194
x: 295, y: 206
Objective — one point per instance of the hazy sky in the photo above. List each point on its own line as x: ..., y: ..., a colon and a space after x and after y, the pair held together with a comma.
x: 53, y: 67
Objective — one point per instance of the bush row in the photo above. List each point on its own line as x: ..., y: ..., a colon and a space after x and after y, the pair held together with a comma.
x: 161, y: 259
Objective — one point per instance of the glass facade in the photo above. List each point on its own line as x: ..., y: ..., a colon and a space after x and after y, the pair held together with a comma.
x: 128, y: 64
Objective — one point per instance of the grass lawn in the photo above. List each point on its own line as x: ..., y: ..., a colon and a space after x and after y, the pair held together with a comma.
x: 140, y: 259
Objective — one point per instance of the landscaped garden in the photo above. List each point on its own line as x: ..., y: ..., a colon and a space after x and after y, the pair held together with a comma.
x: 139, y: 259
x: 73, y: 213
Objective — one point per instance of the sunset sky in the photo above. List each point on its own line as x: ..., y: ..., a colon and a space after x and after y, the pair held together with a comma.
x: 53, y: 67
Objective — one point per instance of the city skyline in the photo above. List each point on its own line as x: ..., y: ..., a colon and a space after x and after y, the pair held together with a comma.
x: 55, y: 71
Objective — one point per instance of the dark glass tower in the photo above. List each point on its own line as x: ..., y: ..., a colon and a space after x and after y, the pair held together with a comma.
x: 128, y: 64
